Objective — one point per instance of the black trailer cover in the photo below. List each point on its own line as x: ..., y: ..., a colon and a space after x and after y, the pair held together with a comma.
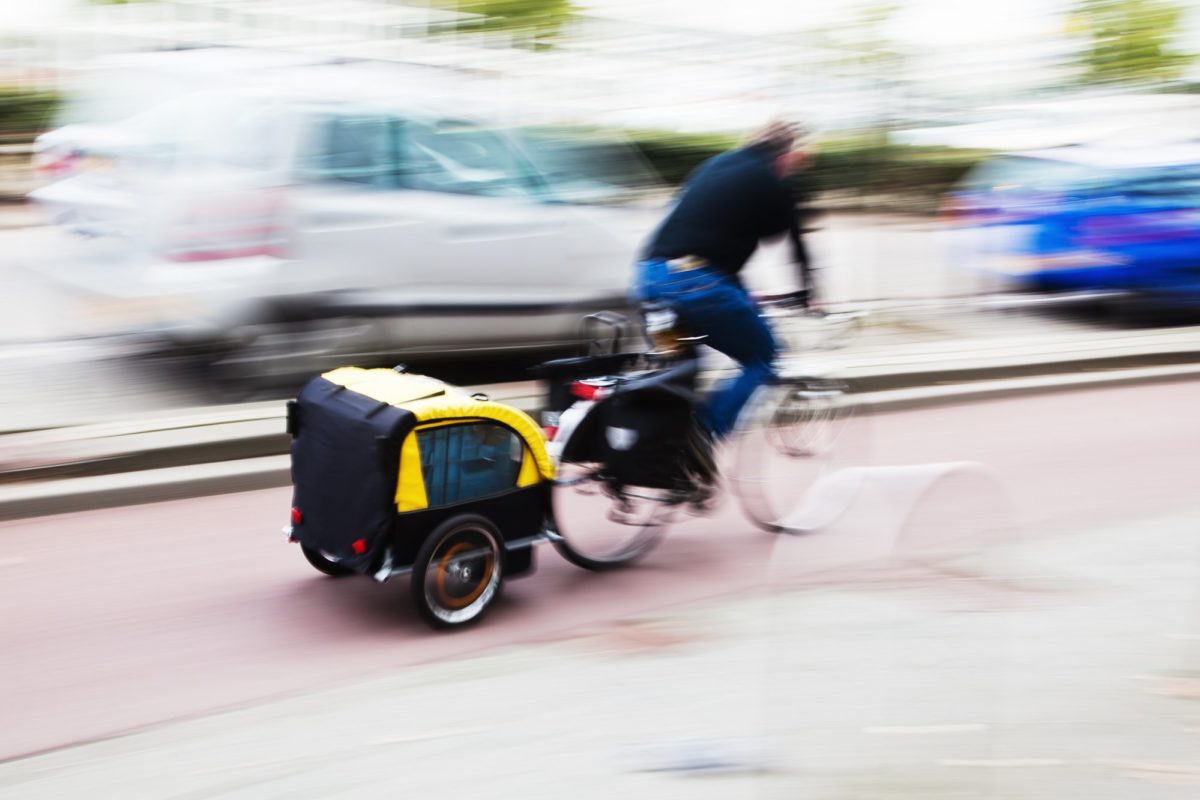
x: 345, y: 465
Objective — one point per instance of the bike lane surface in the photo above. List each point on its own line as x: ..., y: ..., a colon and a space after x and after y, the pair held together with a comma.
x: 130, y: 617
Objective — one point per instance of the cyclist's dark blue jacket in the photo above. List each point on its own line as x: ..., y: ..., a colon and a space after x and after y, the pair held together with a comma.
x: 727, y: 205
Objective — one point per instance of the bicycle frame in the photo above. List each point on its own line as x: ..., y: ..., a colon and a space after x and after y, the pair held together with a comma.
x: 814, y: 405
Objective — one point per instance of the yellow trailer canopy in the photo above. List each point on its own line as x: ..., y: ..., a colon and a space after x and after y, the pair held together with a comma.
x: 452, y: 432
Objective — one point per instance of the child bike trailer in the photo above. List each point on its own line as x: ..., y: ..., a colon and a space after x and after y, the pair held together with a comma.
x: 398, y: 474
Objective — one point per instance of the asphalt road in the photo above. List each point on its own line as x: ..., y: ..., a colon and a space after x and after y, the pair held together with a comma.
x: 120, y: 619
x: 860, y: 258
x: 66, y: 357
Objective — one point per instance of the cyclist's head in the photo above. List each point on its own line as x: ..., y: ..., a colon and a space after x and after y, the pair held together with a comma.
x: 788, y: 143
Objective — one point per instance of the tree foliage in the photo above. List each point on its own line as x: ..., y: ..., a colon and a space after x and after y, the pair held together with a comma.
x: 1129, y: 41
x: 535, y: 22
x: 24, y: 113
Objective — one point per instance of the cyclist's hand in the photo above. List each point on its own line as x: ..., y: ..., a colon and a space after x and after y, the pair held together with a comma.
x: 794, y: 299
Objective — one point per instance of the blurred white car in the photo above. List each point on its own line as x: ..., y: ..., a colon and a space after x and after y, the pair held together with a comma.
x: 110, y: 106
x: 324, y: 215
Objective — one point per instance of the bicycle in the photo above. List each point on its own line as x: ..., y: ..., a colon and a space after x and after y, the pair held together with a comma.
x: 630, y: 455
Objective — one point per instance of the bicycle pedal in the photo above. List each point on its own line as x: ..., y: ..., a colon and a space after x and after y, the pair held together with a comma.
x: 703, y: 502
x: 622, y: 516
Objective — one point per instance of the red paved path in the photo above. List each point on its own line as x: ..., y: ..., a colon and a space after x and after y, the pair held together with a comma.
x: 117, y: 619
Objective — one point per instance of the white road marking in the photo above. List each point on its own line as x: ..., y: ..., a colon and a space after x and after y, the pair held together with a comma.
x: 12, y: 561
x: 924, y: 729
x: 423, y: 737
x: 65, y: 351
x: 1003, y: 762
x: 1135, y: 768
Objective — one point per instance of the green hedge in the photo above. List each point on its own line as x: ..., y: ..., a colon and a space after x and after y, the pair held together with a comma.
x: 674, y: 155
x: 876, y: 169
x: 24, y: 114
x: 861, y: 164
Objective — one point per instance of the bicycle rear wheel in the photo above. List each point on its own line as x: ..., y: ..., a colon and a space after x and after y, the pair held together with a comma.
x: 602, y: 526
x: 793, y: 443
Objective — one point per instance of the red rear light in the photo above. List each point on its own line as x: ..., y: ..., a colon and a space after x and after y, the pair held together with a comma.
x: 216, y: 228
x: 53, y: 164
x: 951, y: 210
x: 297, y: 517
x: 360, y: 546
x: 550, y: 421
x: 218, y: 254
x: 591, y: 389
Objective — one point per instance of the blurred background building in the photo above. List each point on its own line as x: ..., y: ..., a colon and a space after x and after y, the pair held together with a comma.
x: 912, y: 101
x: 678, y: 66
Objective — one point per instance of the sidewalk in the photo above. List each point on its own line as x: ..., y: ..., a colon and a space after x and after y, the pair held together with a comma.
x: 1059, y: 664
x: 904, y: 356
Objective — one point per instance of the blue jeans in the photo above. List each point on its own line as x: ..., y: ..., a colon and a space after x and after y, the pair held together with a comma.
x: 714, y: 304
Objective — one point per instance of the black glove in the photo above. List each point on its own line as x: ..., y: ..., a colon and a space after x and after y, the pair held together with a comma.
x: 794, y: 299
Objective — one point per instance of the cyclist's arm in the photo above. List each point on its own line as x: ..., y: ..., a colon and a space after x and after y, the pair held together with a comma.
x: 800, y: 258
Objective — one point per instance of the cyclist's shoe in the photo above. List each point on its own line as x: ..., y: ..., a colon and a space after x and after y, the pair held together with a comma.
x: 701, y: 458
x: 701, y: 471
x: 703, y: 500
x: 622, y: 512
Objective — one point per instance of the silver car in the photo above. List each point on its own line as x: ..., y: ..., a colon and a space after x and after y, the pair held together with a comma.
x: 317, y: 217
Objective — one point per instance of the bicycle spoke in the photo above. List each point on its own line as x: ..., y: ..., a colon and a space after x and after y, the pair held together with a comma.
x: 610, y: 527
x: 802, y: 423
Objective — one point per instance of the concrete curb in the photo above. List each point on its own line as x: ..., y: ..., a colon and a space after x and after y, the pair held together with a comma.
x: 128, y: 488
x: 931, y: 396
x: 230, y: 433
x: 94, y: 492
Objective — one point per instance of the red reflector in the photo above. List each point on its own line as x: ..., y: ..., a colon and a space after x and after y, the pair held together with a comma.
x: 592, y: 389
x: 584, y: 391
x: 297, y: 517
x: 551, y: 432
x: 360, y: 546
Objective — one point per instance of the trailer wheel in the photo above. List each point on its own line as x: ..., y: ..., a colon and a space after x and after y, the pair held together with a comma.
x: 458, y: 571
x: 325, y: 564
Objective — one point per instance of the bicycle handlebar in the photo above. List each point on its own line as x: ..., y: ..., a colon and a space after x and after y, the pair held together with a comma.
x: 783, y: 300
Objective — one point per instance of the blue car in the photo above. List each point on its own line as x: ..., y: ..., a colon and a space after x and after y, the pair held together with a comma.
x: 1114, y: 222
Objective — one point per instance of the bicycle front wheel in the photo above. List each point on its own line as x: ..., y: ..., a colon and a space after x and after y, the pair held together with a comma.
x: 797, y: 434
x: 807, y: 419
x: 602, y: 526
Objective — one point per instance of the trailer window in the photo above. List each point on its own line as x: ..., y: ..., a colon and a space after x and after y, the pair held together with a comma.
x: 468, y: 461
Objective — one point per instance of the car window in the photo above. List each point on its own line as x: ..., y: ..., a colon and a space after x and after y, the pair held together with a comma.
x: 580, y: 166
x: 468, y: 461
x: 1176, y: 183
x: 354, y: 149
x: 1017, y: 174
x: 457, y: 157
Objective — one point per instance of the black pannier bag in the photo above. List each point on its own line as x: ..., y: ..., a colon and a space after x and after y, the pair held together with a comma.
x: 645, y: 428
x: 559, y: 374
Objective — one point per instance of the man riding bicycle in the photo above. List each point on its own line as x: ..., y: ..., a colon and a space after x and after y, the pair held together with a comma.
x: 728, y: 205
